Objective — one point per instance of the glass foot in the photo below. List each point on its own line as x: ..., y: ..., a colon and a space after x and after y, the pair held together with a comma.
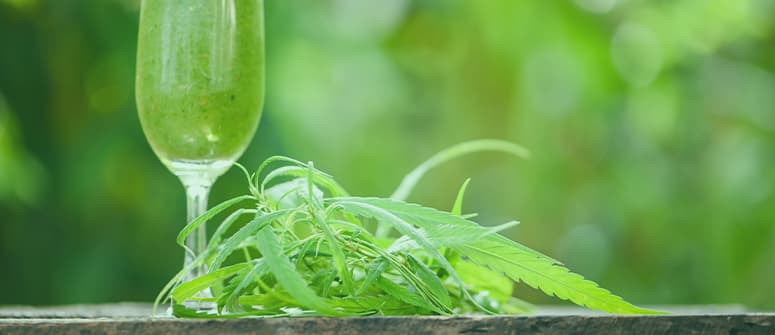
x: 201, y: 306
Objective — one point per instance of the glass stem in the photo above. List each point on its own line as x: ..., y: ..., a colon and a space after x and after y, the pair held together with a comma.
x: 197, y: 182
x: 196, y: 194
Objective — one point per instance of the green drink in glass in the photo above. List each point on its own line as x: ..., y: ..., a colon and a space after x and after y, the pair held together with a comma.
x: 200, y: 90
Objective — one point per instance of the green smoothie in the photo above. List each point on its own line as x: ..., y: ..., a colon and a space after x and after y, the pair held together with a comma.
x: 200, y: 77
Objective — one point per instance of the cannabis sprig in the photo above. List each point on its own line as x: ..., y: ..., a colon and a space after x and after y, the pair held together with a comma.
x: 309, y: 248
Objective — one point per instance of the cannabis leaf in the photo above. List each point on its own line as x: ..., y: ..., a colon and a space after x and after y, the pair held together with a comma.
x: 511, y: 259
x: 306, y: 247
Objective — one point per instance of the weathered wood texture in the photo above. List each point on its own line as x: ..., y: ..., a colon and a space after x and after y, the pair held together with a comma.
x: 132, y: 319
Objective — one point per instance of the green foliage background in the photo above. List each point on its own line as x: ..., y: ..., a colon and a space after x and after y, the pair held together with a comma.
x: 651, y: 123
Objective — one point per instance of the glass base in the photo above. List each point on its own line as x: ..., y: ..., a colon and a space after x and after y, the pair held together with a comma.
x: 198, y: 306
x: 201, y: 306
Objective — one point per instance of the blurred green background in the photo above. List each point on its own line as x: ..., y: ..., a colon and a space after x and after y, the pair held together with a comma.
x: 652, y: 127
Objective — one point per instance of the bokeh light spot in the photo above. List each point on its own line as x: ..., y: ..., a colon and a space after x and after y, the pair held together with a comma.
x: 636, y: 53
x: 596, y: 6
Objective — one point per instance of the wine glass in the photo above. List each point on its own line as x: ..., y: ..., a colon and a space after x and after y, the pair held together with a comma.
x: 200, y: 91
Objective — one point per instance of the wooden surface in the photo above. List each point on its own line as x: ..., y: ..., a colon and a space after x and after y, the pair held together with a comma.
x: 130, y: 318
